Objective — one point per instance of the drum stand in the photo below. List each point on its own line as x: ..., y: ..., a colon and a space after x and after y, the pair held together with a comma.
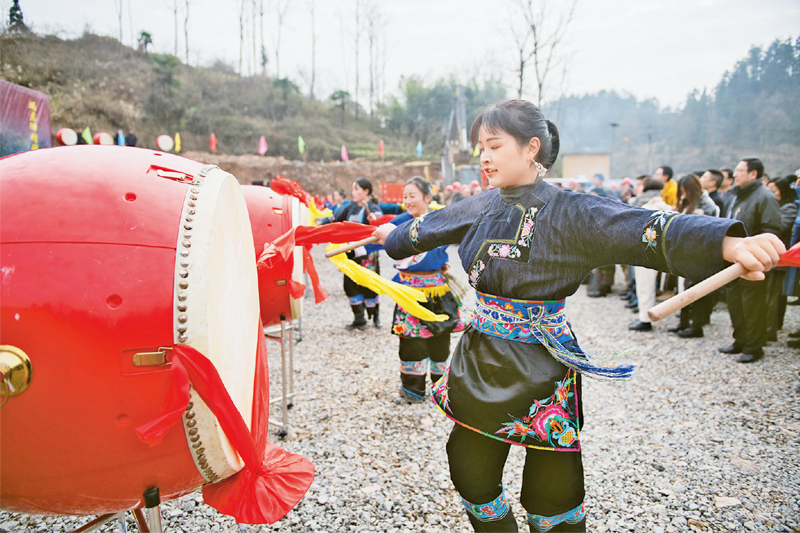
x: 151, y: 502
x: 287, y: 371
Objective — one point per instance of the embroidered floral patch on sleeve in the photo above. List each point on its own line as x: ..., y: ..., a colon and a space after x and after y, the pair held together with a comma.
x: 524, y: 237
x: 654, y: 230
x: 413, y: 231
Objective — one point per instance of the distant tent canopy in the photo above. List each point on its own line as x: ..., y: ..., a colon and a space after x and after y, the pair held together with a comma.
x: 24, y: 119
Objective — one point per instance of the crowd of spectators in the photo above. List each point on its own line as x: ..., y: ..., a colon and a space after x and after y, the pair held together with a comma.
x: 747, y: 194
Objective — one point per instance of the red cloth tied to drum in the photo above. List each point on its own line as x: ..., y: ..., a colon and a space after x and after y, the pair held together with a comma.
x: 306, y: 236
x: 272, y: 480
x: 283, y: 185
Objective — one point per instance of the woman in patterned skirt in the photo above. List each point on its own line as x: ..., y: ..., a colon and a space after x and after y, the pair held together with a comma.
x: 515, y: 375
x: 423, y: 345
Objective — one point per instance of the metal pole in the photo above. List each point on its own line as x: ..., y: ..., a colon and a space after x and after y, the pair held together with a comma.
x: 284, y: 382
x: 98, y: 522
x: 291, y: 364
x: 138, y: 515
x: 152, y: 499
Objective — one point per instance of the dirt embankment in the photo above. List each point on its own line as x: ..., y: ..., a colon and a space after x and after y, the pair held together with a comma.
x: 318, y: 178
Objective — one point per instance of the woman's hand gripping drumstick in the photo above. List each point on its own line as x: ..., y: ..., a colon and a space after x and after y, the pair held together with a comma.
x: 751, y: 257
x: 351, y: 246
x: 382, y: 232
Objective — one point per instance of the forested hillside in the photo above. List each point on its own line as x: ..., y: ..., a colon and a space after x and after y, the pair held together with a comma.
x: 97, y: 82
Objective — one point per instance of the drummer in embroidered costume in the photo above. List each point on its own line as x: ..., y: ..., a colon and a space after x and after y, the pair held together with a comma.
x: 362, y: 209
x: 515, y: 375
x: 423, y: 345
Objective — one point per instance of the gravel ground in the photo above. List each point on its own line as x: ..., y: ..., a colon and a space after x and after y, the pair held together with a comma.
x: 695, y: 442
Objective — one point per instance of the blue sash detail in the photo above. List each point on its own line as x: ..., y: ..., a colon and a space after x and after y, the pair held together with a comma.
x: 544, y: 323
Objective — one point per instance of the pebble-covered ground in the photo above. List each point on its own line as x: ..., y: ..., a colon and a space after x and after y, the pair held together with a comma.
x: 695, y: 442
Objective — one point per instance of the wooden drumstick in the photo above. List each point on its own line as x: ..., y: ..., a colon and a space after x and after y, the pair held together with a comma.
x: 694, y: 293
x: 351, y: 246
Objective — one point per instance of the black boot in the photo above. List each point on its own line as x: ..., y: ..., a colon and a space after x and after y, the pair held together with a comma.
x: 358, y: 313
x: 376, y: 316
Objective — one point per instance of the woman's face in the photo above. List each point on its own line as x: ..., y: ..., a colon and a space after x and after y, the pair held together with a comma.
x: 337, y: 198
x: 504, y: 161
x: 416, y: 203
x: 359, y: 194
x: 775, y: 190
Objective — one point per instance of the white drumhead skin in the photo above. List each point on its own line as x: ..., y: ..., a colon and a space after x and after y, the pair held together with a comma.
x: 221, y: 308
x: 165, y: 143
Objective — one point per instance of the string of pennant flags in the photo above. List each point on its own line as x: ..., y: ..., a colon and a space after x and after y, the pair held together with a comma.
x: 167, y: 143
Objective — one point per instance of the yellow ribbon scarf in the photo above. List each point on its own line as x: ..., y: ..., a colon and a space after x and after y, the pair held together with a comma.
x: 404, y: 296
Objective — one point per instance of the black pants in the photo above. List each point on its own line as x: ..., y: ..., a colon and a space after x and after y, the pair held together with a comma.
x: 419, y: 350
x: 776, y: 302
x: 552, y: 482
x: 747, y: 304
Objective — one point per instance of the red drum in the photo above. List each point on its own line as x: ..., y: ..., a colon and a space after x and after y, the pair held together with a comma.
x: 271, y: 215
x: 108, y: 258
x: 67, y: 137
x: 103, y: 138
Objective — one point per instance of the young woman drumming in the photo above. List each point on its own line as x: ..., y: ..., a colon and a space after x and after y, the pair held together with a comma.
x: 423, y: 344
x: 362, y: 209
x: 515, y: 375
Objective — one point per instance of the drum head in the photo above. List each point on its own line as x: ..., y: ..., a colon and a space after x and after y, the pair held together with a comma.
x: 165, y: 143
x: 218, y: 291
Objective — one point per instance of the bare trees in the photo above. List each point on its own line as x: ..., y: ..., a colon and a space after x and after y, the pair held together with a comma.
x: 312, y: 8
x: 186, y: 28
x: 281, y: 10
x: 538, y: 28
x: 376, y: 26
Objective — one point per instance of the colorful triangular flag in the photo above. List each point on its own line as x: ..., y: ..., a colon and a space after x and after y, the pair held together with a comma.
x: 345, y: 157
x: 301, y: 144
x: 213, y: 143
x: 177, y: 142
x: 87, y: 135
x: 419, y: 149
x: 120, y: 138
x: 262, y: 146
x: 476, y: 152
x: 380, y: 148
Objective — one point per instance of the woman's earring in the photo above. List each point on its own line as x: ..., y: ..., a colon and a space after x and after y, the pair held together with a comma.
x: 539, y: 167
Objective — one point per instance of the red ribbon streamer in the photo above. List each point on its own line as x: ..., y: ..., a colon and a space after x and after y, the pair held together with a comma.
x: 319, y: 292
x: 308, y: 235
x: 383, y: 219
x: 272, y: 480
x: 791, y: 258
x: 283, y: 185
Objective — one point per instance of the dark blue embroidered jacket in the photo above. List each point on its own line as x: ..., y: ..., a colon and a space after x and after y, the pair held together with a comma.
x: 538, y: 242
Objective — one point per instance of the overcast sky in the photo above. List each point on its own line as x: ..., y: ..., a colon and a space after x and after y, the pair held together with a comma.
x: 649, y: 48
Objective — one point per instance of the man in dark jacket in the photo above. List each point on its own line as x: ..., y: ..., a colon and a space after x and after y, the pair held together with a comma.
x: 758, y: 209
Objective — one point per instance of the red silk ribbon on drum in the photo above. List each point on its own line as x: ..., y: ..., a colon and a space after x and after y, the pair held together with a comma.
x: 320, y: 295
x: 308, y: 235
x: 281, y: 250
x: 272, y: 480
x: 283, y: 185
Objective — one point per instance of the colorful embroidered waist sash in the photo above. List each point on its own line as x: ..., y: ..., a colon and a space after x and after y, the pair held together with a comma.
x: 541, y: 322
x: 422, y: 279
x: 431, y: 283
